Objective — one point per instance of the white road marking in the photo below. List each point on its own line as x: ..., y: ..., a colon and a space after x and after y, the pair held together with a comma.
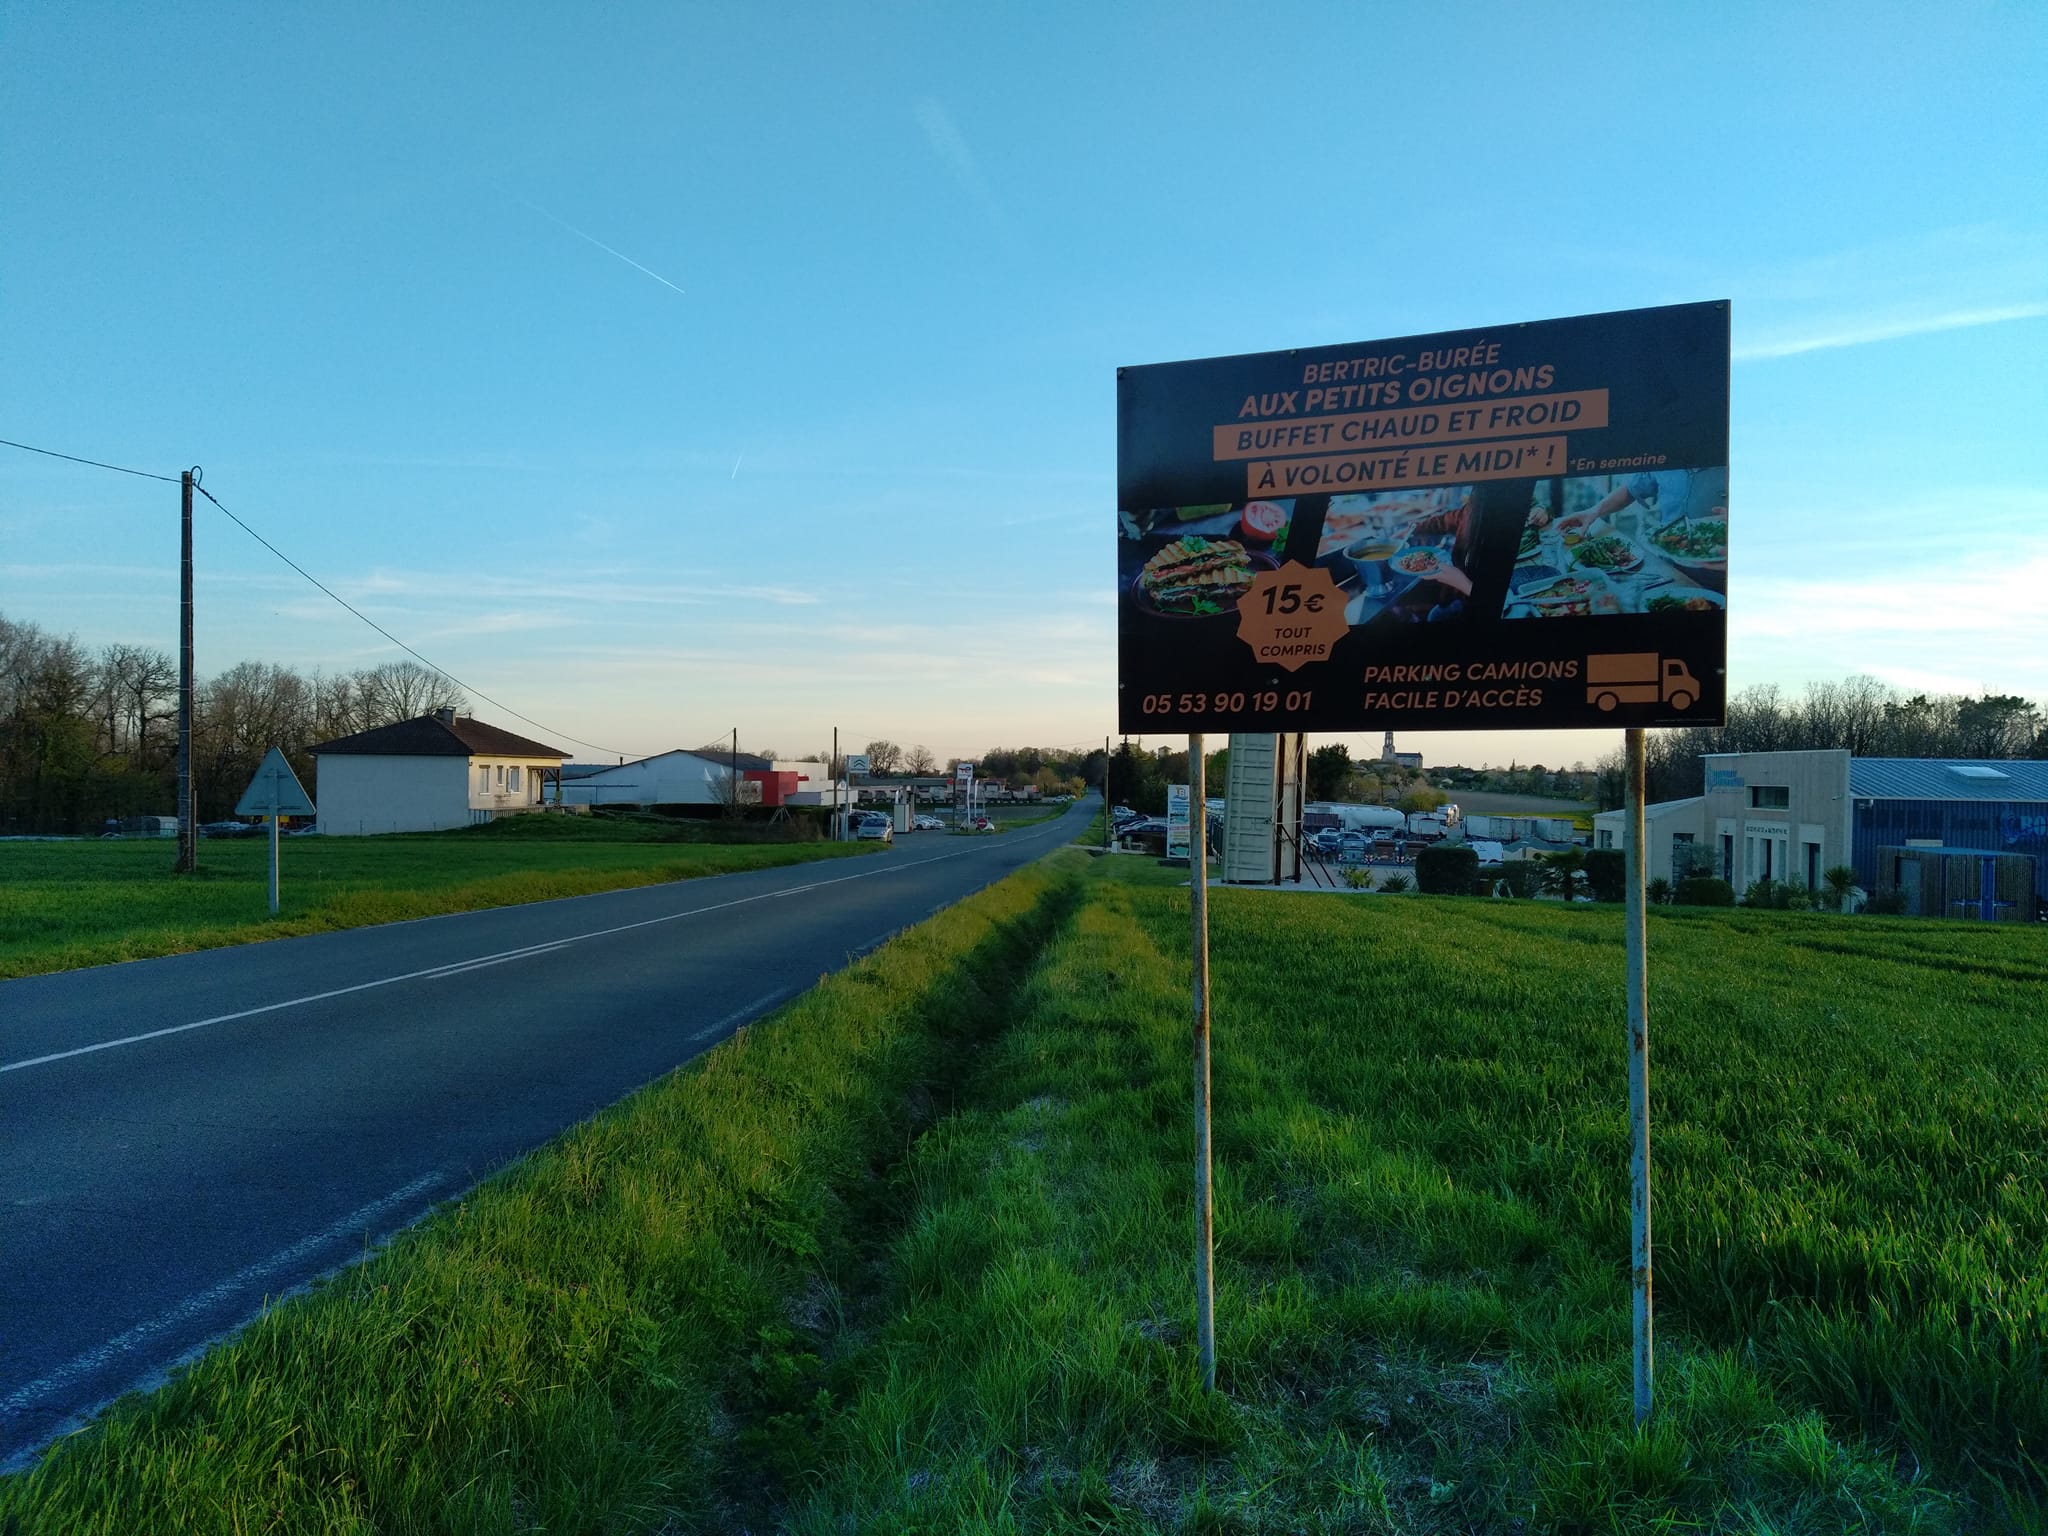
x: 758, y: 1006
x: 457, y: 967
x: 195, y: 1306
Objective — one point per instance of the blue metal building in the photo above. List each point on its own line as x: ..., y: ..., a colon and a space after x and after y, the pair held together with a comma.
x: 1981, y: 825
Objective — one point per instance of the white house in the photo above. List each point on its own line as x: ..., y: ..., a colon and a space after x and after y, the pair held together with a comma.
x: 425, y: 775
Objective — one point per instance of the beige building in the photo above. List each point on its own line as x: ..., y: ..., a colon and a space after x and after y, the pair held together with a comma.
x: 1782, y: 816
x: 426, y: 775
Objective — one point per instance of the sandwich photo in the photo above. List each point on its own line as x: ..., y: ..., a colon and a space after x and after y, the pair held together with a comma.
x: 1197, y: 575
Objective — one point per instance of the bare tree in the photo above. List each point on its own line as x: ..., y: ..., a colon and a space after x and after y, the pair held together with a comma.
x: 919, y: 760
x: 138, y: 703
x: 884, y: 757
x: 403, y: 690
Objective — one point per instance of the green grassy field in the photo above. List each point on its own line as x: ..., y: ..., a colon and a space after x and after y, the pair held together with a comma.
x: 69, y: 904
x: 915, y: 1255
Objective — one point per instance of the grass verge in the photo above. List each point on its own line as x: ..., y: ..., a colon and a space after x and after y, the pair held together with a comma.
x: 72, y: 904
x: 1422, y: 1235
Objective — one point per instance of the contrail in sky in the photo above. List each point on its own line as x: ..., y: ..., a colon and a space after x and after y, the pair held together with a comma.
x: 581, y: 235
x: 735, y: 468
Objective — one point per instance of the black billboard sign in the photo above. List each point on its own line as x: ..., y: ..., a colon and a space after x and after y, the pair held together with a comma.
x: 1517, y: 528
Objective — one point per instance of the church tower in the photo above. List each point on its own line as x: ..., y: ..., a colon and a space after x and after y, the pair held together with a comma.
x: 1387, y: 748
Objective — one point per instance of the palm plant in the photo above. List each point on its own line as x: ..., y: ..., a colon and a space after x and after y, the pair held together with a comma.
x: 1841, y: 886
x: 1563, y: 871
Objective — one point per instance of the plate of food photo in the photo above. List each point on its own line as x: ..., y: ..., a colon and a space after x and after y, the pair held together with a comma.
x: 1608, y: 552
x: 1689, y: 600
x: 1197, y: 577
x: 1698, y: 547
x: 1419, y: 560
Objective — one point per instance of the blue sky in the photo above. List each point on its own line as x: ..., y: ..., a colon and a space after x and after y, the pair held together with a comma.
x: 663, y: 369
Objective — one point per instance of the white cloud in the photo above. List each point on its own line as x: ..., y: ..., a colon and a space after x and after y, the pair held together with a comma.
x: 1857, y: 332
x: 951, y: 148
x: 1946, y: 280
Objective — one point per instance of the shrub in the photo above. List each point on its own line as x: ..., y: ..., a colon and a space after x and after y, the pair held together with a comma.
x: 1358, y: 879
x: 1448, y: 869
x: 1395, y: 883
x: 1705, y: 891
x: 1607, y: 873
x: 1840, y: 882
x: 1778, y: 895
x: 1658, y: 891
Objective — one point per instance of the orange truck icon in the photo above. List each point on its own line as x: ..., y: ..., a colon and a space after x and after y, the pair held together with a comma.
x: 1639, y: 677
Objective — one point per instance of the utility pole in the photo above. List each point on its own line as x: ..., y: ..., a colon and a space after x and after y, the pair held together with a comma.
x: 833, y: 770
x: 735, y: 771
x: 188, y: 830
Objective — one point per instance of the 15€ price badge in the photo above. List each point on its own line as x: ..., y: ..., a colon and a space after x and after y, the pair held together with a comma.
x: 1292, y: 616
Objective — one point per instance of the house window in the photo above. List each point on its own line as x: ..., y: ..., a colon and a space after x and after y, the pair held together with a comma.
x: 1606, y: 838
x: 1769, y: 797
x: 501, y: 775
x: 483, y: 781
x: 1728, y: 857
x: 1681, y: 855
x: 1813, y: 866
x: 512, y: 778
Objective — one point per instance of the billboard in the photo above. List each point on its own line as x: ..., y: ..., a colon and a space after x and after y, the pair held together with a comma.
x: 1524, y: 527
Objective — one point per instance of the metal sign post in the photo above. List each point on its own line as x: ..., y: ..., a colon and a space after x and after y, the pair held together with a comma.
x: 1105, y: 794
x: 1205, y: 1204
x: 275, y: 792
x: 1638, y: 1076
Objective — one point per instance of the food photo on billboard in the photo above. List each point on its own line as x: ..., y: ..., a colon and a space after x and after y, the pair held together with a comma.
x: 1647, y: 542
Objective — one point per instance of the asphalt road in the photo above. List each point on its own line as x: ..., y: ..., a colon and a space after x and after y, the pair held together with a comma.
x: 184, y: 1138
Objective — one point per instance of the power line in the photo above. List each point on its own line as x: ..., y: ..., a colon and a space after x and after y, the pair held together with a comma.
x: 430, y: 666
x: 95, y: 463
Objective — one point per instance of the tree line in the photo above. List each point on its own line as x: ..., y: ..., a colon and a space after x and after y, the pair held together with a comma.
x: 1861, y: 715
x: 88, y: 736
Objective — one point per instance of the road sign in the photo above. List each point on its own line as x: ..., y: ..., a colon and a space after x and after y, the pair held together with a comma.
x: 857, y: 762
x: 275, y: 791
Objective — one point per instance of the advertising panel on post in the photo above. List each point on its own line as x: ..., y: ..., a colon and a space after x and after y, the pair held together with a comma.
x: 1524, y: 527
x: 1179, y: 834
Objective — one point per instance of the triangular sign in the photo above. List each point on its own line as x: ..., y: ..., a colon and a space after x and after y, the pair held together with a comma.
x: 275, y: 791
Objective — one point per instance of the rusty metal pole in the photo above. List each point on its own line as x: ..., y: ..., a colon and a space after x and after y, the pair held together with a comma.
x: 1638, y: 1080
x: 1105, y: 794
x: 1205, y: 1204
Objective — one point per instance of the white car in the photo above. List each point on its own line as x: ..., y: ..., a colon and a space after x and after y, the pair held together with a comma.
x: 874, y: 827
x: 927, y: 824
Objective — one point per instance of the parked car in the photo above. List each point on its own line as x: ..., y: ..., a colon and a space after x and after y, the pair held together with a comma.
x: 1324, y: 844
x: 231, y: 828
x: 927, y: 824
x: 873, y: 827
x: 1146, y: 829
x: 1353, y: 847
